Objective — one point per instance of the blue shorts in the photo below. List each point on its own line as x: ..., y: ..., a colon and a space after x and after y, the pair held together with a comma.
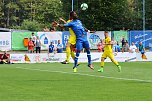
x: 82, y: 44
x: 142, y: 52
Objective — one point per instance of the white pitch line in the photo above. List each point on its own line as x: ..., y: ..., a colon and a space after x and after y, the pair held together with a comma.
x: 117, y: 78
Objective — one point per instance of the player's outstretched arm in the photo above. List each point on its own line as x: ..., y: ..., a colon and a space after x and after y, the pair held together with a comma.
x: 62, y: 20
x: 89, y: 31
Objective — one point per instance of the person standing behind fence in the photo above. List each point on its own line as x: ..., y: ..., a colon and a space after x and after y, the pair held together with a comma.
x: 33, y: 40
x: 141, y: 49
x: 133, y: 48
x: 51, y: 48
x: 30, y: 46
x: 100, y: 46
x: 38, y: 45
x: 125, y: 47
x: 123, y: 41
x: 59, y: 47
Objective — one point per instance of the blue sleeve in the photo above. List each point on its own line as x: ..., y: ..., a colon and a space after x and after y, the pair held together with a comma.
x: 68, y: 24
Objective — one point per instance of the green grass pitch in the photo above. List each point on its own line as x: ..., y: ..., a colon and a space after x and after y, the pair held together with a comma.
x: 57, y: 82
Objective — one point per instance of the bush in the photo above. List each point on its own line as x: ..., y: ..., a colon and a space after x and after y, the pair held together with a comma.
x: 31, y: 25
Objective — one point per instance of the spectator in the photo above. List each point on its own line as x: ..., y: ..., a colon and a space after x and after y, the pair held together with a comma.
x: 118, y: 47
x: 114, y: 45
x: 100, y: 46
x: 59, y: 47
x: 123, y: 41
x: 30, y: 46
x: 125, y: 47
x: 51, y: 48
x: 5, y: 59
x: 38, y: 45
x: 33, y: 40
x: 141, y: 49
x: 132, y: 48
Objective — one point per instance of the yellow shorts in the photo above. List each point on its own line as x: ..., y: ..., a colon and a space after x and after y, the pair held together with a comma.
x: 72, y: 40
x: 107, y: 54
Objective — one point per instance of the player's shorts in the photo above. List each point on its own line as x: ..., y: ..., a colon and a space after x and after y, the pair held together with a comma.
x: 107, y: 54
x: 72, y: 40
x: 82, y: 44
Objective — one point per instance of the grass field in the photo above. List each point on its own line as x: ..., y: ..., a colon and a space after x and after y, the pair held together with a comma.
x: 57, y: 82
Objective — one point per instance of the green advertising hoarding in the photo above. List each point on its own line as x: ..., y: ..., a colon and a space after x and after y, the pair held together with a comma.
x: 118, y: 35
x: 18, y: 40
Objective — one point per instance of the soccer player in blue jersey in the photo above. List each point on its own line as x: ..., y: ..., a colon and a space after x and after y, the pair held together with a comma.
x: 81, y: 39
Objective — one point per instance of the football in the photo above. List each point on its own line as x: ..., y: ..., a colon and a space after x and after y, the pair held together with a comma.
x: 84, y: 6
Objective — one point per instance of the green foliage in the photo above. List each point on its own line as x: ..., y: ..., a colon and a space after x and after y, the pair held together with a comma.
x: 41, y: 11
x: 101, y: 14
x: 31, y: 25
x: 148, y: 9
x: 108, y: 15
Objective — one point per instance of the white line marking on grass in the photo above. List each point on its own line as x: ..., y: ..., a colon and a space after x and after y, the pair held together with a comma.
x: 117, y: 78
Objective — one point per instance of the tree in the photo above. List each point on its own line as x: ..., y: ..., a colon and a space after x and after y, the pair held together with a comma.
x: 31, y: 25
x: 41, y: 11
x: 109, y: 14
x: 148, y: 8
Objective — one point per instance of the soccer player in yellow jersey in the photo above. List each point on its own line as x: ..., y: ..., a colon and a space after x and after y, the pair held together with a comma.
x: 108, y: 53
x: 70, y: 44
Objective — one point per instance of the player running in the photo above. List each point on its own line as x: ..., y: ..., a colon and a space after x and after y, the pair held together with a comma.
x: 108, y: 53
x: 81, y: 39
x: 70, y: 44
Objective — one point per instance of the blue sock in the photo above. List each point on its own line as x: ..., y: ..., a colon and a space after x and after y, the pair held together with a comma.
x: 89, y: 56
x: 76, y: 58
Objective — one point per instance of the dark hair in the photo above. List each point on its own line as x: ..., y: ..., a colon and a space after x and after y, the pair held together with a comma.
x: 73, y: 15
x: 106, y: 31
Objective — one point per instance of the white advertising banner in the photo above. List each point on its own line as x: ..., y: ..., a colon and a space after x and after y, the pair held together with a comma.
x: 120, y: 57
x: 5, y: 41
x: 94, y: 38
x: 36, y: 58
x: 17, y: 58
x: 59, y: 57
x: 47, y: 37
x: 144, y: 57
x: 124, y: 57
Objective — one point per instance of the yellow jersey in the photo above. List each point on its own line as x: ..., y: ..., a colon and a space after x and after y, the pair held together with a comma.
x: 70, y: 30
x: 107, y: 47
x: 72, y: 38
